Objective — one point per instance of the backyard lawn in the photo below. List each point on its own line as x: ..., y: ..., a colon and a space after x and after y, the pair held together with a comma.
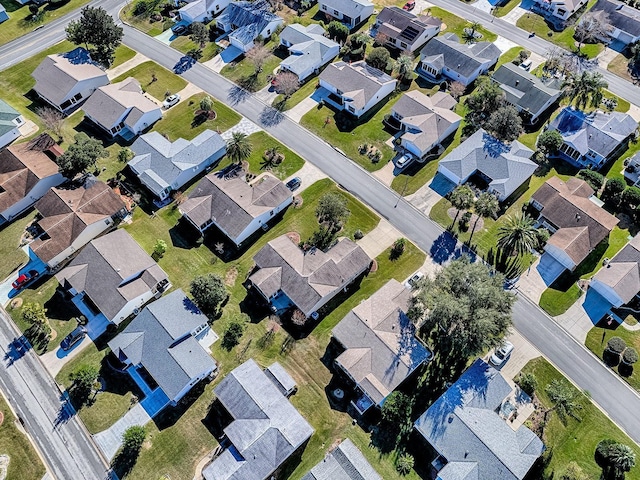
x: 24, y: 462
x: 597, y: 339
x: 577, y: 439
x: 166, y: 81
x: 180, y: 121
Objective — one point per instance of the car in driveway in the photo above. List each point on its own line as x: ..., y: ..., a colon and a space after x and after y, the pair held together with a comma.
x: 501, y: 354
x: 410, y: 5
x: 179, y: 29
x: 404, y: 160
x: 294, y: 183
x: 413, y: 280
x: 24, y: 278
x: 171, y: 100
x: 74, y: 337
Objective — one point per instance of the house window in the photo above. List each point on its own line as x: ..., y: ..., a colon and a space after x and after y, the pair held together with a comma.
x: 269, y: 32
x: 78, y: 96
x: 403, y: 45
x: 66, y: 104
x: 535, y: 204
x: 271, y: 213
x: 336, y: 12
x: 562, y: 12
x: 324, y: 7
x: 351, y: 109
x: 397, y: 115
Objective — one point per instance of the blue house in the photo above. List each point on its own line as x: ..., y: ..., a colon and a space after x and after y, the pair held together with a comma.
x: 592, y: 139
x: 245, y: 21
x: 4, y: 16
x: 468, y: 428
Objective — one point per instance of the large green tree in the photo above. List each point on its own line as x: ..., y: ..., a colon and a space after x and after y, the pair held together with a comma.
x: 333, y: 210
x: 239, y: 147
x: 81, y: 155
x: 485, y: 100
x: 549, y: 142
x: 461, y: 198
x: 209, y: 292
x: 505, y: 124
x: 378, y: 58
x: 585, y: 88
x: 98, y: 32
x: 518, y: 234
x: 199, y: 34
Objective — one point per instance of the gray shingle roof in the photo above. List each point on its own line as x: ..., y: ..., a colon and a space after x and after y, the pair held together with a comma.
x: 357, y: 80
x: 308, y: 49
x: 306, y: 277
x: 266, y: 429
x: 597, y: 131
x: 447, y: 51
x: 381, y: 347
x: 160, y: 161
x: 160, y: 338
x: 522, y: 88
x: 620, y: 15
x: 463, y: 426
x: 8, y: 115
x: 508, y: 166
x: 248, y: 18
x: 112, y: 270
x: 351, y: 8
x: 622, y: 273
x: 403, y: 25
x: 345, y: 462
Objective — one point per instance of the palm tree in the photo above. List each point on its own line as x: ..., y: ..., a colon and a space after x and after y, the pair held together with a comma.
x: 585, y: 88
x: 470, y: 31
x: 517, y: 234
x: 565, y: 400
x: 238, y: 147
x: 461, y: 198
x: 486, y: 205
x: 622, y: 459
x: 404, y: 67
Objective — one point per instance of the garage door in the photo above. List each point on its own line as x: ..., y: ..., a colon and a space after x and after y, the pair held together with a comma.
x: 549, y: 268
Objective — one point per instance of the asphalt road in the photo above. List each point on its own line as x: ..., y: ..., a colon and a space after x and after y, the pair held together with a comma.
x: 66, y: 447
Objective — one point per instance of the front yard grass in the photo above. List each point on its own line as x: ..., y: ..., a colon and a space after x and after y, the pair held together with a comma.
x: 620, y: 66
x: 562, y: 293
x: 597, y: 339
x: 261, y: 142
x: 184, y: 44
x: 166, y: 81
x: 241, y: 70
x: 144, y: 24
x: 11, y: 254
x: 508, y: 56
x: 576, y: 440
x: 180, y: 122
x: 303, y: 92
x: 24, y: 462
x: 457, y: 25
x: 506, y: 8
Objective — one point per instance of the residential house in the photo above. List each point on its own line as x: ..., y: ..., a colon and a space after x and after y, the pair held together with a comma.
x: 445, y: 58
x: 114, y: 276
x: 245, y: 21
x: 266, y: 428
x: 571, y: 213
x: 287, y: 276
x: 237, y: 208
x: 623, y: 21
x: 559, y: 9
x: 344, y: 462
x: 202, y: 10
x: 404, y: 30
x: 122, y: 109
x: 467, y: 428
x: 65, y: 80
x: 489, y: 164
x: 161, y: 351
x: 71, y: 217
x: 309, y: 49
x: 632, y: 170
x: 10, y: 123
x: 350, y: 12
x: 530, y: 95
x: 425, y: 121
x: 165, y: 167
x: 355, y: 87
x: 4, y: 16
x: 618, y: 281
x: 26, y: 174
x: 380, y: 347
x: 590, y: 140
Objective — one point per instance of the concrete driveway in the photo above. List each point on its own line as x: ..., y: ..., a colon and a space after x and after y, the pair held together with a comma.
x: 523, y: 352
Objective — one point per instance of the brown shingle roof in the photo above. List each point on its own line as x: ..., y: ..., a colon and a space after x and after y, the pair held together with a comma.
x: 623, y: 271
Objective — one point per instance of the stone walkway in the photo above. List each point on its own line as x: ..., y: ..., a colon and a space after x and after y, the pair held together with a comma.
x: 379, y: 239
x: 245, y: 126
x: 110, y: 440
x: 306, y: 105
x: 308, y: 174
x: 137, y: 59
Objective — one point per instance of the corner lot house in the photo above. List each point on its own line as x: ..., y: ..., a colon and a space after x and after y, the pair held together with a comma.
x: 355, y: 87
x: 26, y: 175
x: 425, y: 121
x: 619, y: 280
x: 406, y: 31
x: 560, y: 9
x: 65, y: 80
x: 345, y: 462
x: 122, y: 109
x: 380, y: 345
x: 114, y: 276
x: 266, y: 429
x: 202, y: 10
x: 592, y: 139
x: 350, y: 12
x: 237, y: 208
x: 245, y: 21
x: 624, y: 21
x: 444, y: 57
x: 165, y: 167
x: 10, y: 122
x: 467, y: 428
x: 577, y: 223
x: 72, y: 217
x: 309, y: 49
x: 286, y: 275
x: 161, y: 352
x: 529, y: 94
x: 489, y: 164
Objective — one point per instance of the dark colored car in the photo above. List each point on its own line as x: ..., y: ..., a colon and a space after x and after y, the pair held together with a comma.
x: 74, y: 337
x: 179, y: 29
x: 410, y: 5
x: 25, y: 278
x: 294, y: 183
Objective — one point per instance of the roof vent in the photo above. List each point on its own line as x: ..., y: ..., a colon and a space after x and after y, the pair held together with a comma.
x: 450, y: 419
x: 578, y: 217
x: 517, y: 82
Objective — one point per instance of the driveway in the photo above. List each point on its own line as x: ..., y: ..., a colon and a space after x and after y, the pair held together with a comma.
x: 309, y: 174
x: 523, y: 352
x: 379, y: 239
x: 299, y: 111
x: 531, y: 283
x: 110, y: 440
x: 576, y: 320
x: 430, y: 194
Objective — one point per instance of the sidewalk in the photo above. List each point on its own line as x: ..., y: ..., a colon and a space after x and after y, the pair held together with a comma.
x: 245, y: 126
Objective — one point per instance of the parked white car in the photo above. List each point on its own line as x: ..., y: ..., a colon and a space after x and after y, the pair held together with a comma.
x: 502, y: 353
x: 404, y: 160
x: 171, y: 100
x: 413, y: 280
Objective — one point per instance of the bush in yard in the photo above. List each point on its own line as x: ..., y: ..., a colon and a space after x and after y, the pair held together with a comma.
x: 358, y: 234
x: 39, y: 331
x: 208, y: 292
x: 549, y: 141
x: 613, y: 189
x: 82, y: 381
x: 396, y: 409
x: 630, y: 356
x: 594, y: 179
x: 125, y: 154
x: 528, y: 383
x: 232, y: 335
x: 616, y: 345
x: 631, y: 199
x: 337, y: 31
x: 573, y: 472
x: 378, y: 58
x: 397, y: 249
x: 133, y: 438
x: 332, y: 209
x: 404, y: 464
x: 160, y: 248
x: 464, y: 221
x: 543, y: 236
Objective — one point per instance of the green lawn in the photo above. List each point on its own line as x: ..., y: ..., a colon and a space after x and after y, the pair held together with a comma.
x: 508, y: 56
x: 239, y: 71
x: 145, y: 25
x: 11, y: 254
x: 260, y: 143
x: 620, y: 66
x: 123, y: 54
x: 184, y: 44
x: 20, y: 22
x: 457, y: 25
x: 166, y: 81
x: 576, y: 441
x: 179, y: 121
x: 557, y: 299
x: 616, y: 168
x: 24, y: 462
x: 506, y: 8
x: 597, y: 339
x: 303, y: 92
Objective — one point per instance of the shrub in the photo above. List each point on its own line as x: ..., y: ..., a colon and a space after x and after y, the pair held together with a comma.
x: 543, y: 236
x: 133, y: 438
x: 404, y: 464
x: 528, y: 383
x: 358, y: 234
x: 613, y: 190
x: 232, y: 335
x: 160, y: 248
x: 616, y: 345
x: 209, y: 292
x: 630, y: 356
x: 397, y: 249
x: 594, y: 179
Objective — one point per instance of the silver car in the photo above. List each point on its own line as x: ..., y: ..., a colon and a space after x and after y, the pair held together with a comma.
x: 502, y: 353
